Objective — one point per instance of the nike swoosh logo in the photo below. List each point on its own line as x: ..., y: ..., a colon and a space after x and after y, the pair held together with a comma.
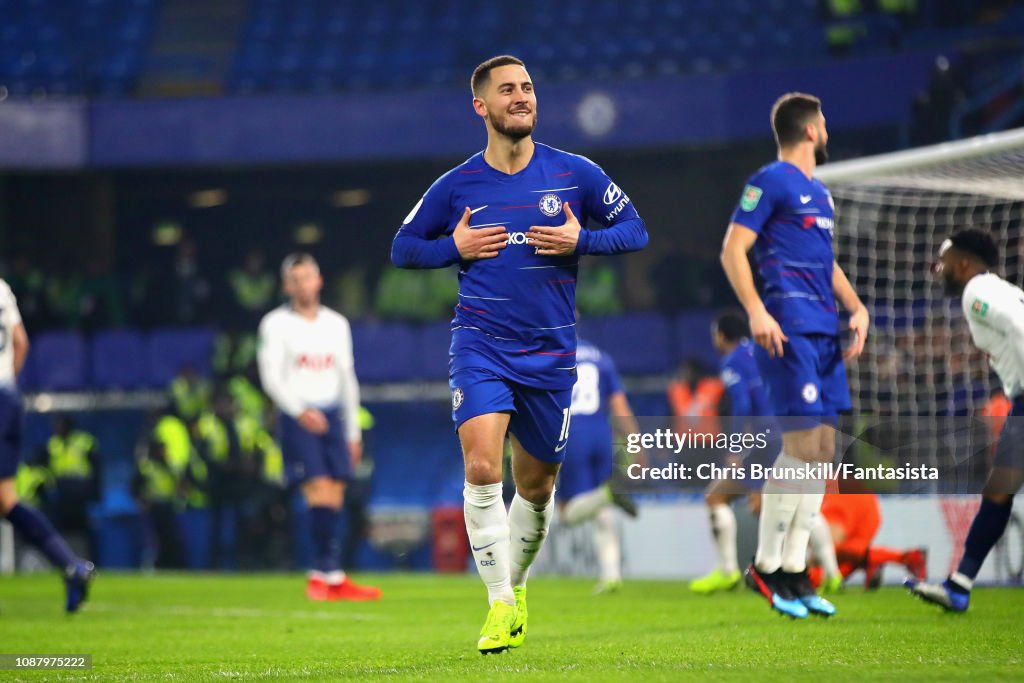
x: 558, y: 448
x: 479, y: 208
x: 804, y: 198
x: 475, y: 549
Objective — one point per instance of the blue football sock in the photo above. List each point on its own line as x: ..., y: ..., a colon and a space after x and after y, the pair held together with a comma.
x: 326, y: 544
x: 986, y: 530
x: 38, y: 531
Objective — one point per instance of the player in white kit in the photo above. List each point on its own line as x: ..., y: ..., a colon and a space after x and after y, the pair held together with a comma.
x: 994, y: 309
x: 307, y: 368
x: 32, y: 525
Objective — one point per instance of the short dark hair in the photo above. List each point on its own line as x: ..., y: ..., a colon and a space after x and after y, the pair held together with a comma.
x: 482, y: 74
x: 732, y: 324
x: 976, y: 243
x: 296, y: 259
x: 790, y: 115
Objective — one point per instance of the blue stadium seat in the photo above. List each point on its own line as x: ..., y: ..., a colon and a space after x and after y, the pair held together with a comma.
x: 118, y: 360
x: 592, y: 330
x: 170, y: 350
x: 386, y: 352
x: 639, y: 342
x: 692, y: 337
x: 45, y: 43
x: 435, y: 340
x: 58, y: 362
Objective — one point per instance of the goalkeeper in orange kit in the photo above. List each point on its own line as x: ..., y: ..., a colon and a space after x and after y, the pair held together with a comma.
x: 853, y: 520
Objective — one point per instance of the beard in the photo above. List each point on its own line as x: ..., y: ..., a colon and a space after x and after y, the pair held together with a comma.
x: 950, y: 286
x: 515, y: 132
x: 820, y: 155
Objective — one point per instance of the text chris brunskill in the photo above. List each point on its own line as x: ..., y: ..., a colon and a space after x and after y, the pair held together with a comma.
x: 808, y: 472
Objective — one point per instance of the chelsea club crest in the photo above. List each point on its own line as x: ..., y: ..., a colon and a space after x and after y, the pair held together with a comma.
x: 550, y: 205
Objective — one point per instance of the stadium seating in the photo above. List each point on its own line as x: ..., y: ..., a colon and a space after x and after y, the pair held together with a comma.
x: 58, y: 362
x: 641, y: 343
x: 322, y: 45
x: 435, y: 339
x: 692, y: 334
x: 386, y: 352
x: 319, y: 45
x: 99, y: 47
x: 58, y: 47
x: 170, y: 350
x: 119, y: 360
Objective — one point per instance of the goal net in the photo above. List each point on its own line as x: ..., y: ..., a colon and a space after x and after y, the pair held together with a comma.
x: 892, y: 213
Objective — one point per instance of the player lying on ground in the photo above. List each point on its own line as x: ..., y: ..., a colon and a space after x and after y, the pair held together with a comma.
x: 849, y: 522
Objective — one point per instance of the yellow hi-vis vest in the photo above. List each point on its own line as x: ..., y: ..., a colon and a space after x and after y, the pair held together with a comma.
x: 215, y: 434
x: 273, y: 459
x: 160, y: 484
x: 196, y: 496
x: 70, y: 457
x: 173, y: 433
x: 28, y: 481
x: 190, y: 399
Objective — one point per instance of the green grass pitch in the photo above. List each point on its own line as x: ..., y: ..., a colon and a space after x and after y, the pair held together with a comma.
x: 260, y: 627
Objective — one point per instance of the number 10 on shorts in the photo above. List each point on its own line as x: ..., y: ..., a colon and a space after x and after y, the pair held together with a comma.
x: 564, y: 434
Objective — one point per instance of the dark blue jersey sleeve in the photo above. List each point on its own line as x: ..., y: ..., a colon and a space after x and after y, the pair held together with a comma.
x: 611, y: 383
x: 424, y: 240
x: 739, y: 398
x: 607, y: 204
x: 757, y: 203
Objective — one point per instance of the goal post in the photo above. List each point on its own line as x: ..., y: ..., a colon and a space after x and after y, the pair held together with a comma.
x: 892, y: 212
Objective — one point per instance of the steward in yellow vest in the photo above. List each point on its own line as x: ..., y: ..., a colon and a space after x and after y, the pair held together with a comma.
x: 190, y: 394
x: 72, y: 456
x: 156, y: 487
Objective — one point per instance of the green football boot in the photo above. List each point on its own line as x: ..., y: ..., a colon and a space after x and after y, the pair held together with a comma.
x: 518, y: 631
x: 716, y: 581
x: 494, y: 636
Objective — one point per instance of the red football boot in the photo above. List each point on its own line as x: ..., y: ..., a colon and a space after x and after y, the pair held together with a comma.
x: 916, y: 562
x: 317, y: 589
x: 350, y: 590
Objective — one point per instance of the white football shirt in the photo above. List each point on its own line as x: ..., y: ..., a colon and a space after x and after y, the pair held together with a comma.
x: 994, y: 309
x: 10, y: 317
x: 309, y: 364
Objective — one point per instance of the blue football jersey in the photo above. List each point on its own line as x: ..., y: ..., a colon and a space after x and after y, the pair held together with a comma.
x: 793, y: 217
x: 596, y: 380
x: 747, y: 393
x: 516, y: 312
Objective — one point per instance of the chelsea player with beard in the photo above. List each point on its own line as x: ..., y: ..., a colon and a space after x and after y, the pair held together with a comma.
x: 508, y: 217
x: 786, y: 216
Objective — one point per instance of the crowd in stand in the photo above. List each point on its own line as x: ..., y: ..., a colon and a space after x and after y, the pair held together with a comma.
x: 210, y: 450
x: 183, y: 289
x: 208, y: 479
